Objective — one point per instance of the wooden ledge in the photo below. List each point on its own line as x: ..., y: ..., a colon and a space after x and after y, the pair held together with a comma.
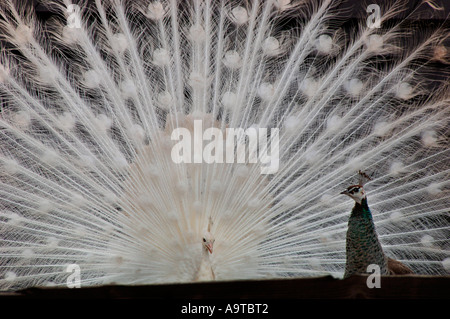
x: 355, y: 287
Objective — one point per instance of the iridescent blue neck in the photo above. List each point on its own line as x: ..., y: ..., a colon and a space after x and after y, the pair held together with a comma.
x: 362, y: 209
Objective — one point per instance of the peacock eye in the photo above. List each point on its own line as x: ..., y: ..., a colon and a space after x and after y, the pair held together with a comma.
x: 204, y: 240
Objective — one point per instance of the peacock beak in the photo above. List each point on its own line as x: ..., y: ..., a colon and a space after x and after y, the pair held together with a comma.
x: 209, y: 246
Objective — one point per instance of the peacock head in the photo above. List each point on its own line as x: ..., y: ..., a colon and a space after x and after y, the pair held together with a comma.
x: 356, y: 192
x: 208, y: 238
x: 208, y: 241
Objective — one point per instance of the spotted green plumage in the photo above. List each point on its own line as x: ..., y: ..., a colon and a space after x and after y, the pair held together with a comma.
x: 363, y: 247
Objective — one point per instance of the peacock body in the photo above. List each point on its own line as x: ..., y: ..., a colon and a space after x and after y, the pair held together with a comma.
x: 362, y: 245
x: 93, y: 171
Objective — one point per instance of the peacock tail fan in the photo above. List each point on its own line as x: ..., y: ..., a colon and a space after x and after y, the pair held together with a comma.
x: 128, y: 128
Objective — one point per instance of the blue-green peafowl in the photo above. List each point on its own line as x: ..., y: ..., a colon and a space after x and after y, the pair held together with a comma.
x: 362, y: 246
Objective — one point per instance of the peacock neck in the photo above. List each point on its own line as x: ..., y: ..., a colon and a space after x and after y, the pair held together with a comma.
x: 362, y: 246
x: 205, y: 271
x: 361, y: 210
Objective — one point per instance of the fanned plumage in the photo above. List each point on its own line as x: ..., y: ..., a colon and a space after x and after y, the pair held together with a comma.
x: 91, y: 96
